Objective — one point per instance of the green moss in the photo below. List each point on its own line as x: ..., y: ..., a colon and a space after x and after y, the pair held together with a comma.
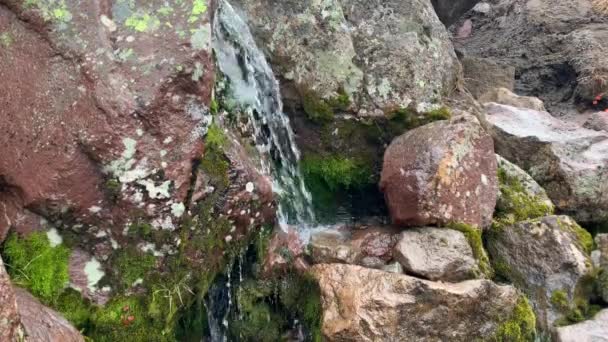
x: 583, y: 237
x: 474, y: 238
x: 317, y: 110
x: 74, y: 308
x: 258, y: 321
x: 301, y: 294
x: 341, y: 102
x: 215, y: 138
x: 521, y: 326
x: 35, y: 265
x: 142, y: 22
x: 404, y: 119
x: 113, y: 188
x: 133, y: 264
x: 559, y: 299
x: 336, y: 172
x: 199, y: 7
x: 214, y: 107
x: 442, y: 113
x: 517, y: 204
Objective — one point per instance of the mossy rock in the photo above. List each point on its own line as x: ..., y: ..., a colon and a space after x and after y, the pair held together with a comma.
x: 520, y: 327
x: 474, y: 237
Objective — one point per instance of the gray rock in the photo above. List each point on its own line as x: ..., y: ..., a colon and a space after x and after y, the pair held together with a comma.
x: 9, y: 316
x: 601, y: 254
x: 540, y: 257
x: 593, y: 330
x: 362, y: 304
x: 383, y: 54
x: 393, y: 267
x: 449, y: 11
x: 568, y: 161
x: 441, y: 172
x: 507, y: 97
x: 597, y: 121
x: 436, y: 254
x: 482, y: 75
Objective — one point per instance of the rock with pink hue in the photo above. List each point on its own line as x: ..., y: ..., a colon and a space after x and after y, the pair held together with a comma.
x: 361, y: 304
x: 568, y: 161
x: 597, y: 121
x: 42, y: 324
x: 9, y: 317
x: 103, y: 111
x: 284, y: 250
x: 440, y: 173
x: 592, y: 330
x: 507, y: 97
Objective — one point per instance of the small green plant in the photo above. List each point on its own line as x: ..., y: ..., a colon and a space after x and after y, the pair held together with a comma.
x: 520, y: 327
x: 216, y: 138
x: 34, y: 264
x: 74, y: 308
x: 133, y: 264
x: 559, y: 299
x: 214, y: 107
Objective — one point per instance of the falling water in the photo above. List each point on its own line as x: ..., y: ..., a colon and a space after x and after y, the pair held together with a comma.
x: 255, y: 89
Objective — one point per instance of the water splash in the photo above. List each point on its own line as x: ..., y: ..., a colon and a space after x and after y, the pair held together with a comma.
x: 256, y: 91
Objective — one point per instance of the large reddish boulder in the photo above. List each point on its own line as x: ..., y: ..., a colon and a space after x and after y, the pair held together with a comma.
x: 440, y: 173
x: 102, y: 108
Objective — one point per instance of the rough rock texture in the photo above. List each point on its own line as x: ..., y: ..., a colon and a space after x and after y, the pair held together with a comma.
x: 482, y: 75
x: 540, y: 257
x: 449, y: 11
x: 103, y: 106
x: 42, y: 324
x: 556, y: 47
x: 371, y: 247
x: 9, y: 316
x: 436, y: 254
x: 361, y: 304
x: 507, y: 97
x: 383, y: 54
x: 597, y: 121
x: 439, y: 173
x: 601, y: 262
x: 569, y: 162
x: 529, y: 186
x: 593, y: 330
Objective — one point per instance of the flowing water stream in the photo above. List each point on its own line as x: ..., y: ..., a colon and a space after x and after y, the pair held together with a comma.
x: 254, y: 89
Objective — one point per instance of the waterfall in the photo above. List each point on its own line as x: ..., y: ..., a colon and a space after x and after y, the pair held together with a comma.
x: 255, y: 89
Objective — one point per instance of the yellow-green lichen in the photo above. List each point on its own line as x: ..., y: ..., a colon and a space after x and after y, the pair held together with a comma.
x: 142, y: 22
x: 199, y: 7
x: 474, y: 238
x: 6, y: 40
x: 50, y: 10
x: 520, y: 327
x: 559, y: 300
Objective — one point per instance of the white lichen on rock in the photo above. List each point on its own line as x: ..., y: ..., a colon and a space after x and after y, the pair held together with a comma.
x: 94, y: 273
x: 54, y: 238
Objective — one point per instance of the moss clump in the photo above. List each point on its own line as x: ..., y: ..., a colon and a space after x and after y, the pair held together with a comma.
x: 214, y: 163
x: 301, y: 294
x: 517, y: 204
x: 258, y: 321
x: 74, y: 308
x: 322, y: 111
x: 442, y: 113
x: 6, y: 40
x: 34, y: 264
x: 521, y: 326
x: 215, y: 138
x: 113, y: 188
x: 214, y: 107
x: 559, y: 299
x: 474, y: 238
x: 404, y: 119
x: 133, y: 264
x: 336, y: 172
x: 583, y: 237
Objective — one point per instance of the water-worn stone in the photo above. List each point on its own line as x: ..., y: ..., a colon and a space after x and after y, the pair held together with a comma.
x: 370, y: 247
x: 449, y: 11
x: 568, y: 161
x: 384, y: 55
x: 436, y: 254
x: 441, y: 172
x: 103, y: 108
x: 42, y: 324
x: 593, y: 330
x: 542, y: 256
x: 362, y: 304
x: 9, y: 316
x: 483, y: 75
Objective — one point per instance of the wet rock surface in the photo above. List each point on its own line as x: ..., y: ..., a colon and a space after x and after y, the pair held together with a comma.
x: 436, y: 254
x: 383, y: 55
x: 569, y: 161
x: 543, y: 257
x: 360, y: 304
x: 441, y: 173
